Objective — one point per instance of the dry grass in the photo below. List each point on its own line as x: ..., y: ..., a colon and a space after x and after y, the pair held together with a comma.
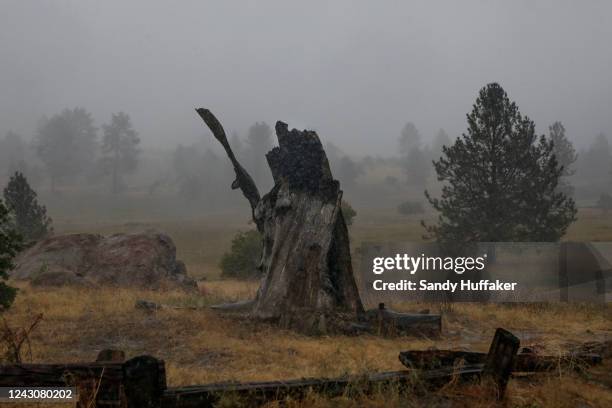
x: 200, y: 346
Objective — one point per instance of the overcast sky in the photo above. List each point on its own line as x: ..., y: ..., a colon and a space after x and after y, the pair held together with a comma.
x: 355, y: 71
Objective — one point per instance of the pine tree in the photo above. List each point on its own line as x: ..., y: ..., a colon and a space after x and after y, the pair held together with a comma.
x: 28, y: 216
x: 499, y: 180
x: 120, y: 148
x: 66, y: 144
x: 415, y: 158
x: 566, y: 156
x: 10, y: 244
x: 410, y: 139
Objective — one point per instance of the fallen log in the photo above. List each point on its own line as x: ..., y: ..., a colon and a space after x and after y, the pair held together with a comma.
x: 61, y: 375
x: 259, y: 393
x: 138, y: 382
x: 524, y: 362
x: 100, y: 382
x: 384, y: 321
x: 602, y: 348
x: 141, y: 382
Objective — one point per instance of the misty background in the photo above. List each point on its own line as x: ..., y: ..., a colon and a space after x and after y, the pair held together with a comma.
x: 384, y: 84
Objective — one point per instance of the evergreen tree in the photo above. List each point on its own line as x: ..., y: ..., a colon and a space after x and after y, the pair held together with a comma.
x: 28, y: 216
x: 499, y: 180
x: 10, y: 244
x: 120, y: 148
x: 415, y: 158
x: 596, y: 162
x: 12, y: 151
x: 410, y: 139
x: 258, y: 143
x: 566, y: 155
x: 66, y: 144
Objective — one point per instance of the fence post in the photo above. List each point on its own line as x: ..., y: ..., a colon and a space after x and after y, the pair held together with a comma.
x: 500, y: 360
x: 144, y: 382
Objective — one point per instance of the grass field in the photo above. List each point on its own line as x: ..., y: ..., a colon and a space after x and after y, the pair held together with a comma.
x: 200, y: 346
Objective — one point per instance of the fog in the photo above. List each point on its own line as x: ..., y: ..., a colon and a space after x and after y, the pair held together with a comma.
x: 356, y: 71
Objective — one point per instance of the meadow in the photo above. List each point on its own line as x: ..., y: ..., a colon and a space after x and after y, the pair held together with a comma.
x: 200, y: 346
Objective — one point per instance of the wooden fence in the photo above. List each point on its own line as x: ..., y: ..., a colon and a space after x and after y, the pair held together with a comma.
x: 140, y: 382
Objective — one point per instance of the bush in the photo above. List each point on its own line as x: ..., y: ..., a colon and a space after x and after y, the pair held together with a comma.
x: 10, y: 244
x: 348, y: 212
x: 410, y: 208
x: 244, y: 256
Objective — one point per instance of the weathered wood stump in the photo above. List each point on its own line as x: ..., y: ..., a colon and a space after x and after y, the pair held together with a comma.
x: 308, y: 281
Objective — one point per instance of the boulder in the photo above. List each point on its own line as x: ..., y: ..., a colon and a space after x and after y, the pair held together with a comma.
x: 140, y: 260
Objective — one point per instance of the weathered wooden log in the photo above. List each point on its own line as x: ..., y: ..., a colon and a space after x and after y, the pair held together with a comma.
x: 141, y: 382
x: 99, y: 382
x: 385, y: 321
x: 308, y: 280
x: 602, y: 348
x: 138, y: 382
x: 524, y: 362
x: 259, y: 393
x: 500, y: 359
x: 43, y: 375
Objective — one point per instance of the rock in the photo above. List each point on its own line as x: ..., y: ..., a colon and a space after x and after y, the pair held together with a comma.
x: 139, y: 260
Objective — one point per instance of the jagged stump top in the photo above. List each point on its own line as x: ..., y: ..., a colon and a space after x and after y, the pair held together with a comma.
x: 300, y: 161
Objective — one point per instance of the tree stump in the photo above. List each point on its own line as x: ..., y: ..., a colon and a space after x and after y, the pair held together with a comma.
x: 308, y: 280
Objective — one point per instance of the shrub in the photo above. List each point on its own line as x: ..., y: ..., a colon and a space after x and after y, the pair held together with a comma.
x: 348, y: 212
x: 244, y: 256
x: 410, y: 208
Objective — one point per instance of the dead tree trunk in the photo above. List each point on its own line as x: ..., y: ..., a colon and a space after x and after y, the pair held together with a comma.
x: 306, y: 263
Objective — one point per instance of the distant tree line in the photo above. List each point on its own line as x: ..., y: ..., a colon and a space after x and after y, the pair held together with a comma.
x: 68, y: 148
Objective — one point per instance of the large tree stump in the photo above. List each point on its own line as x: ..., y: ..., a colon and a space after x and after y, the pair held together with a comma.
x: 308, y: 278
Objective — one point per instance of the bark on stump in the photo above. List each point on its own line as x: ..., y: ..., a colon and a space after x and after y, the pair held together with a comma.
x: 308, y: 281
